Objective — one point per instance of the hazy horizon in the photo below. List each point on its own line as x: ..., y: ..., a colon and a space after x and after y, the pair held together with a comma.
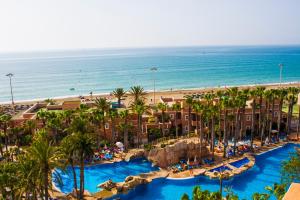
x: 34, y: 25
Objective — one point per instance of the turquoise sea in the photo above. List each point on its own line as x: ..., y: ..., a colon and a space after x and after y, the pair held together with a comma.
x: 52, y: 74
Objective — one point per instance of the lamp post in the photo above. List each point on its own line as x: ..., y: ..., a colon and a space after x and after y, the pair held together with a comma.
x: 153, y: 69
x: 10, y: 75
x: 280, y: 74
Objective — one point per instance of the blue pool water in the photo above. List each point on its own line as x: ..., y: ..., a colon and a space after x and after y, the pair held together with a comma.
x: 97, y: 174
x: 265, y: 172
x: 240, y: 163
x: 221, y: 168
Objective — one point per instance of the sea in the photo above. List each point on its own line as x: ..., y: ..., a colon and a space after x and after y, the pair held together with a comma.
x: 40, y: 75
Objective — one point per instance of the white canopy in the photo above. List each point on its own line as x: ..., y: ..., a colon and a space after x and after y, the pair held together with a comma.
x: 120, y: 144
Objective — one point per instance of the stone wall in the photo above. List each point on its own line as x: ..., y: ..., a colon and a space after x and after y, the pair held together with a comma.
x: 171, y: 154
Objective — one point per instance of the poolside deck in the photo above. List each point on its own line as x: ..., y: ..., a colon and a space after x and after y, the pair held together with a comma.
x: 293, y: 192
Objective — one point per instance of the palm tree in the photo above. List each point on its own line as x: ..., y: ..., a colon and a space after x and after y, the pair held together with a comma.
x: 225, y: 104
x: 137, y: 92
x: 113, y: 114
x: 4, y: 123
x: 273, y: 96
x: 253, y: 94
x: 67, y: 150
x: 119, y: 94
x: 163, y: 107
x: 260, y: 94
x: 83, y: 147
x: 124, y: 114
x: 54, y: 124
x: 238, y: 103
x: 176, y: 107
x: 102, y: 104
x: 139, y: 108
x: 244, y: 96
x: 189, y: 101
x: 42, y: 115
x: 45, y: 155
x: 29, y: 127
x: 291, y: 98
x: 281, y: 94
x: 212, y: 114
x: 17, y: 132
x: 268, y: 96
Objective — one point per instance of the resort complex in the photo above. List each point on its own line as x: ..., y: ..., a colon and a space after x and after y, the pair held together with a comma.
x: 226, y: 143
x: 150, y: 100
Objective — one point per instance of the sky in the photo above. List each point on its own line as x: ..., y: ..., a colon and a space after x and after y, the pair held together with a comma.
x: 38, y: 25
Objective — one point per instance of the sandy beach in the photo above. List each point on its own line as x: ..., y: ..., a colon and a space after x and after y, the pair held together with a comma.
x: 176, y: 93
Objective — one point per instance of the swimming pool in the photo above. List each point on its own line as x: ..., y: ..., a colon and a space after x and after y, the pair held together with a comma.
x: 265, y: 172
x: 97, y: 174
x: 220, y: 169
x: 240, y: 163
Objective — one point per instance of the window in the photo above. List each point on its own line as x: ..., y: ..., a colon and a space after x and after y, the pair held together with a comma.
x: 248, y: 118
x: 172, y: 116
x: 275, y: 113
x: 186, y: 117
x: 186, y: 128
x: 106, y: 125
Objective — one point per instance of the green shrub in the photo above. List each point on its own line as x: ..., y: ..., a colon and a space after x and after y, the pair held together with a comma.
x: 148, y: 147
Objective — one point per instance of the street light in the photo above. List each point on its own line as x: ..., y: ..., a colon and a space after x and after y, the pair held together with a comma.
x: 280, y: 75
x: 153, y: 69
x: 10, y: 75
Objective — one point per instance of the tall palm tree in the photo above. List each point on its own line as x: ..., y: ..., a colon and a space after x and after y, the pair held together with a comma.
x: 119, y: 94
x: 139, y: 108
x: 260, y: 93
x: 113, y: 114
x: 238, y: 103
x: 226, y: 105
x: 54, y: 123
x: 137, y: 92
x: 83, y: 147
x: 46, y: 157
x: 17, y: 132
x: 244, y: 96
x: 273, y: 93
x: 268, y: 96
x: 176, y: 107
x: 124, y: 114
x: 189, y: 101
x: 4, y: 123
x: 253, y: 94
x: 163, y: 107
x: 102, y: 104
x: 281, y: 95
x: 67, y: 150
x: 291, y: 98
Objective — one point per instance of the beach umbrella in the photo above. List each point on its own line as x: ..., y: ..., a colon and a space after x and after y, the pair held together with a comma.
x: 188, y: 162
x: 120, y: 144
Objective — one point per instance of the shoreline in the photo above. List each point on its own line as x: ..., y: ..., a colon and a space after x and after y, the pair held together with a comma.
x: 163, y: 92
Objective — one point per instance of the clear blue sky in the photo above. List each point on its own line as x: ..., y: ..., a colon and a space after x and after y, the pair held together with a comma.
x: 28, y: 25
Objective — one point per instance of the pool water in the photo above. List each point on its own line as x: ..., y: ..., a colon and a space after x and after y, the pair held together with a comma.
x: 240, y: 163
x: 265, y: 172
x: 220, y: 169
x: 97, y: 174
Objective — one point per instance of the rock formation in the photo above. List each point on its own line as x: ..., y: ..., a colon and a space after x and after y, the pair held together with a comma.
x: 171, y: 154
